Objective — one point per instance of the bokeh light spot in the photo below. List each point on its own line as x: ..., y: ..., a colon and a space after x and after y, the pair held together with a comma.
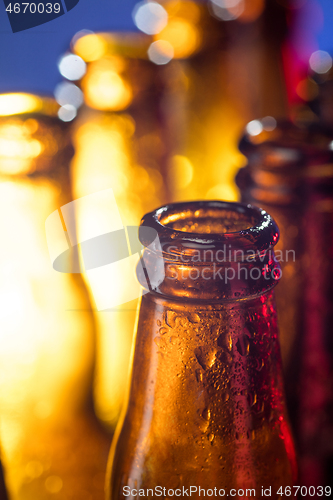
x: 68, y: 93
x: 106, y: 89
x: 268, y: 123
x: 150, y: 17
x: 320, y: 61
x: 254, y: 127
x: 53, y: 484
x: 227, y: 10
x: 72, y: 67
x: 183, y: 35
x: 90, y: 47
x: 160, y: 52
x: 67, y: 113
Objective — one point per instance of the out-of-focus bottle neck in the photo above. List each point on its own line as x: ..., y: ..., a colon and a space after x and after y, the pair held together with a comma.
x: 33, y: 139
x: 284, y: 159
x: 209, y: 251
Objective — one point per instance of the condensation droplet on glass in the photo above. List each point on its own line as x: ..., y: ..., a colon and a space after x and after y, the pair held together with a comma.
x: 226, y: 358
x: 171, y: 318
x: 225, y: 396
x: 194, y: 318
x: 225, y: 341
x: 243, y: 345
x: 252, y: 398
x: 206, y: 357
x: 199, y: 375
x: 157, y: 341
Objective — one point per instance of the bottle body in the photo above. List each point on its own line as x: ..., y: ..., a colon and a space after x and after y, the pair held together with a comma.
x: 201, y: 392
x: 206, y: 404
x: 50, y: 437
x: 290, y: 174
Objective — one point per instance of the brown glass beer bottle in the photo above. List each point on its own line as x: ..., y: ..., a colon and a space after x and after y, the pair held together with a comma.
x: 206, y: 405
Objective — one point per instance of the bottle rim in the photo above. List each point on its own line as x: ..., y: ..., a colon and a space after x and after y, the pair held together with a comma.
x: 261, y: 232
x: 215, y: 266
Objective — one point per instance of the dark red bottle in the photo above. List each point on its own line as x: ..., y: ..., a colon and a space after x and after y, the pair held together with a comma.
x: 290, y: 174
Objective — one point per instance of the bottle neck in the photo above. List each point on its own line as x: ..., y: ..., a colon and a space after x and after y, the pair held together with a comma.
x: 209, y: 251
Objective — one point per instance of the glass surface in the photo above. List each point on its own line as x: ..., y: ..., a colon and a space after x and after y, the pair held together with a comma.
x: 206, y: 405
x: 290, y: 174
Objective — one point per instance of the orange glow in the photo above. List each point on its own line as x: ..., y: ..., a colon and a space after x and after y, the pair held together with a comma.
x: 104, y: 158
x: 184, y: 9
x: 105, y: 88
x: 11, y: 104
x: 17, y: 103
x: 90, y: 47
x: 252, y: 10
x: 183, y: 35
x: 17, y: 149
x: 307, y: 89
x: 46, y: 328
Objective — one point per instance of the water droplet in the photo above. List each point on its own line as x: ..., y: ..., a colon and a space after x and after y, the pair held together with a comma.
x: 243, y: 345
x: 194, y: 318
x: 206, y: 414
x: 163, y: 331
x: 259, y: 364
x: 171, y: 318
x: 252, y: 398
x: 211, y: 437
x: 259, y: 406
x: 215, y: 330
x: 225, y: 341
x: 225, y: 396
x: 206, y: 357
x: 158, y: 322
x: 199, y: 375
x: 203, y: 426
x: 226, y: 358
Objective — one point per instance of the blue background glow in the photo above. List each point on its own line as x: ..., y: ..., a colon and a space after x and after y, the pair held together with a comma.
x: 28, y: 59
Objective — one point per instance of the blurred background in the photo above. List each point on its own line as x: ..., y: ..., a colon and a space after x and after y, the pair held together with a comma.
x: 161, y: 101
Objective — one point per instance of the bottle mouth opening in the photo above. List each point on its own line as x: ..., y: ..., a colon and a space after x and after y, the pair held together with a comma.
x: 208, y: 250
x: 212, y: 223
x: 208, y: 220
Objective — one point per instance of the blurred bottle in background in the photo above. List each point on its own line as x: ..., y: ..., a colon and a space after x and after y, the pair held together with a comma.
x: 118, y: 138
x: 52, y: 443
x: 289, y: 173
x: 162, y: 113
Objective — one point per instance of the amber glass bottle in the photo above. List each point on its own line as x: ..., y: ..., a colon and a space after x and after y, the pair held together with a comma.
x: 206, y: 405
x: 51, y: 442
x: 290, y: 174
